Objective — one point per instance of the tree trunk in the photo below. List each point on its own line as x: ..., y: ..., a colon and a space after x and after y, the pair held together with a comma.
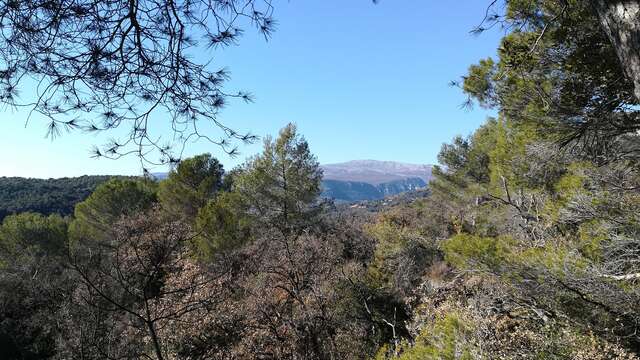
x: 620, y: 19
x: 154, y: 338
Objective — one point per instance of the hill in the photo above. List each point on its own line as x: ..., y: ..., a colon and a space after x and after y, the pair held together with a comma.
x: 365, y: 180
x: 353, y: 181
x: 45, y: 196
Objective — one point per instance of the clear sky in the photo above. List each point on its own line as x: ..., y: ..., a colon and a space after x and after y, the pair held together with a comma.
x: 361, y: 81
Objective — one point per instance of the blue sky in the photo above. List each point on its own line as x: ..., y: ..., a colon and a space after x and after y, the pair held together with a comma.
x: 361, y: 81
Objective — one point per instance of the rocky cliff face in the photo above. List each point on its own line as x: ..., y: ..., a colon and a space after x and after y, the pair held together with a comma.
x: 360, y: 180
x: 360, y: 191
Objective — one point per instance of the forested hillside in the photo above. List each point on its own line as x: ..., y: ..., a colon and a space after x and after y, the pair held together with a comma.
x: 534, y: 217
x: 365, y: 180
x: 354, y: 191
x: 45, y: 196
x: 204, y: 264
x: 526, y: 245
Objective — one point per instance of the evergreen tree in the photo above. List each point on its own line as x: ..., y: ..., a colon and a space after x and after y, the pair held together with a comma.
x: 281, y: 186
x: 142, y: 70
x: 222, y: 224
x: 195, y: 181
x: 94, y: 217
x: 33, y: 284
x: 33, y: 233
x: 558, y: 70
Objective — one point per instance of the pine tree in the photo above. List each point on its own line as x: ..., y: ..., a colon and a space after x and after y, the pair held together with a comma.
x: 187, y: 189
x: 282, y: 184
x: 111, y: 201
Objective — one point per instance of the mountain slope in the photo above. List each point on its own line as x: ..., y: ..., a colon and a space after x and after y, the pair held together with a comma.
x: 360, y: 180
x: 45, y: 196
x: 376, y: 172
x: 365, y: 180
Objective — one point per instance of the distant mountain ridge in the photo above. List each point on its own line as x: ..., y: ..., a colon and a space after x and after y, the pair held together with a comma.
x: 354, y: 191
x: 376, y: 172
x: 361, y: 180
x: 366, y: 180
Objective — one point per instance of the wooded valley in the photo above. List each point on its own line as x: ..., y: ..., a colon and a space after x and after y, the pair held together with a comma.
x: 526, y: 247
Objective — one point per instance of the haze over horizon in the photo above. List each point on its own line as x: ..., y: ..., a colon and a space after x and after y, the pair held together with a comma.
x: 326, y: 71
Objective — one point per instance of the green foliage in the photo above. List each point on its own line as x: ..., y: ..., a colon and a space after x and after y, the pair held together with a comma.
x: 33, y: 284
x: 222, y: 225
x: 499, y: 159
x: 404, y: 249
x: 469, y: 158
x: 591, y: 238
x: 555, y: 217
x: 572, y: 182
x: 569, y: 185
x: 191, y: 186
x: 559, y: 71
x: 509, y: 144
x: 469, y: 251
x: 111, y: 201
x: 455, y: 155
x: 31, y: 234
x: 51, y: 196
x: 479, y: 81
x: 282, y: 184
x: 391, y: 240
x: 535, y: 215
x: 446, y: 341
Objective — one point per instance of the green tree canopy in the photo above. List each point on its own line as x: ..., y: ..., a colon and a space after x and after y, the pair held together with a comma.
x: 559, y: 70
x: 281, y: 186
x: 112, y: 200
x: 33, y: 233
x: 33, y: 284
x: 195, y: 181
x: 222, y: 224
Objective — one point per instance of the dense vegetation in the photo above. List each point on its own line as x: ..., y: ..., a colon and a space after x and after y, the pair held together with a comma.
x: 525, y: 248
x: 200, y: 265
x: 60, y: 196
x: 45, y: 196
x: 537, y: 210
